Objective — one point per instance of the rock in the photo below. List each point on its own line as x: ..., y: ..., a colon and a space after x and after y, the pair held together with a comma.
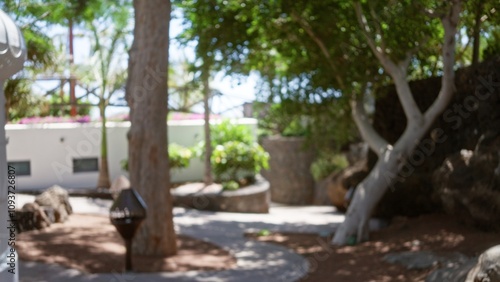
x: 58, y: 199
x: 339, y: 183
x: 424, y: 259
x: 487, y: 268
x: 357, y: 152
x: 445, y: 137
x: 454, y: 269
x: 25, y: 221
x: 41, y: 219
x: 468, y: 185
x: 120, y: 183
x: 413, y: 260
x: 453, y: 266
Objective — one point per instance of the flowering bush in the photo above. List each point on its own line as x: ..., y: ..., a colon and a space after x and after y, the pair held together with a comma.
x: 52, y: 119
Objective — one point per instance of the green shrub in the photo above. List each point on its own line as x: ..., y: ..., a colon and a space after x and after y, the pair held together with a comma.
x: 234, y: 158
x: 230, y: 185
x: 224, y: 132
x: 178, y: 157
x: 284, y: 118
x: 227, y: 131
x: 328, y: 163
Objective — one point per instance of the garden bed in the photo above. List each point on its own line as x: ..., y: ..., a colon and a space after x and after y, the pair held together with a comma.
x: 249, y: 199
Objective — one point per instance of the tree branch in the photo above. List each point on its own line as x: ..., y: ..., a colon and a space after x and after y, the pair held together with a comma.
x: 369, y: 134
x: 386, y: 62
x: 309, y: 30
x: 378, y: 27
x: 450, y: 23
x: 396, y: 71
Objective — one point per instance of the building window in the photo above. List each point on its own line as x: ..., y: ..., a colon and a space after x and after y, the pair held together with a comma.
x: 85, y: 165
x: 22, y: 168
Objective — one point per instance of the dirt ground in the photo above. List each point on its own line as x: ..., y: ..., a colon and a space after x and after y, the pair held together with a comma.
x: 363, y: 262
x: 92, y: 245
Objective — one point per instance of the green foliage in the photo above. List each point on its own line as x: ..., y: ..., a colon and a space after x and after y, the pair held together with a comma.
x: 178, y: 157
x: 291, y: 118
x: 227, y: 131
x: 264, y: 232
x: 235, y: 153
x: 230, y: 185
x: 20, y: 102
x: 60, y: 106
x: 328, y: 163
x: 280, y: 118
x: 233, y: 158
x: 493, y: 45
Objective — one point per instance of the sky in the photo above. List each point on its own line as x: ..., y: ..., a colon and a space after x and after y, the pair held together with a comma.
x: 236, y: 92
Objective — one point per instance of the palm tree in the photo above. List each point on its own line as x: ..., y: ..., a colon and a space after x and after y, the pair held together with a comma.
x: 184, y: 88
x: 103, y: 75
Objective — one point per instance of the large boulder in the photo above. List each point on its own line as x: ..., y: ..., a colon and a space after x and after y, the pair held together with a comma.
x: 472, y: 112
x: 58, y: 199
x: 41, y: 219
x: 120, y: 183
x: 338, y: 184
x: 468, y: 184
x: 487, y: 268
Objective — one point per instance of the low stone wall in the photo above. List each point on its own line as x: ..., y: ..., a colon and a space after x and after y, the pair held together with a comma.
x: 251, y: 199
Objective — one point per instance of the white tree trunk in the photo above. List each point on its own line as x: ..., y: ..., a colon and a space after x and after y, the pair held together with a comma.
x: 373, y: 187
x: 391, y: 159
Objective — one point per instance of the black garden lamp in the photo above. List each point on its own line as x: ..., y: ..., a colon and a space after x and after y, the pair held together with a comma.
x: 126, y: 214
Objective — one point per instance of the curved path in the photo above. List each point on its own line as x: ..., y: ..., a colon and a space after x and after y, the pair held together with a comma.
x: 256, y: 261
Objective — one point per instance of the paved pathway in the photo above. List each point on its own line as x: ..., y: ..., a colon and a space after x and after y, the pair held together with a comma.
x: 256, y: 261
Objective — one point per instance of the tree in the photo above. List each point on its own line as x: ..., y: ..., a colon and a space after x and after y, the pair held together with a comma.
x: 104, y: 76
x: 392, y: 157
x: 340, y: 52
x: 146, y: 94
x: 20, y: 101
x: 34, y: 17
x: 201, y: 17
x: 184, y: 87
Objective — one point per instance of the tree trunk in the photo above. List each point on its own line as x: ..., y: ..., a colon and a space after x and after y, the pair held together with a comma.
x: 476, y: 33
x: 72, y: 81
x: 373, y: 187
x: 208, y: 179
x: 103, y: 180
x: 391, y: 159
x: 147, y: 96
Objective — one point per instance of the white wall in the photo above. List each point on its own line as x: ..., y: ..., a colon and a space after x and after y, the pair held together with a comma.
x: 50, y: 148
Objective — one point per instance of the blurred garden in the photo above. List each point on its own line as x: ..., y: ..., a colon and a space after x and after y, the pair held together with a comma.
x: 369, y: 149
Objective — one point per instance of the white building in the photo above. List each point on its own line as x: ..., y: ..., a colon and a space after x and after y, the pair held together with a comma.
x: 67, y: 154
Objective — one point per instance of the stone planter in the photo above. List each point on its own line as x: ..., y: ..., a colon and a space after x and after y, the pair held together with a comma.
x: 289, y: 170
x: 250, y: 199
